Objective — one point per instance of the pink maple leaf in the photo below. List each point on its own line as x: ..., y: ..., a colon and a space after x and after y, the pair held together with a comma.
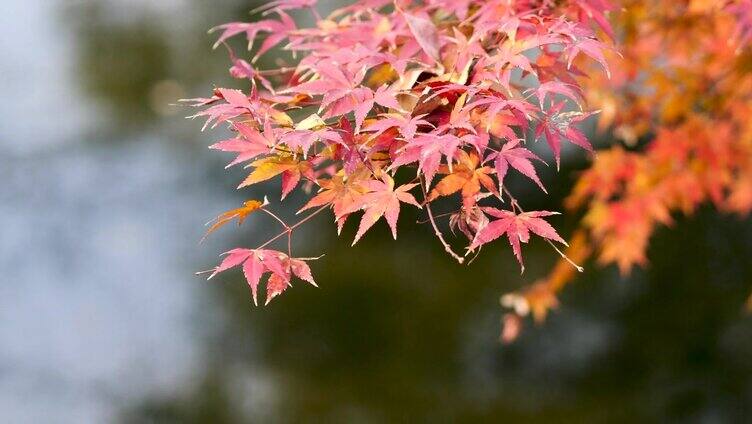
x: 518, y: 158
x: 381, y: 199
x: 517, y: 228
x: 257, y: 262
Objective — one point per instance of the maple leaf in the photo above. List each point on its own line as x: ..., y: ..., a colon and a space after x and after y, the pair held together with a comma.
x: 502, y: 114
x: 425, y: 34
x: 291, y: 177
x: 557, y: 125
x: 468, y: 222
x: 584, y: 42
x: 381, y: 199
x: 596, y: 10
x: 349, y: 151
x: 551, y: 88
x: 243, y: 70
x: 339, y: 192
x: 278, y: 32
x: 338, y: 86
x: 249, y: 145
x: 466, y: 48
x: 277, y: 5
x: 383, y: 96
x: 232, y: 259
x: 309, y: 131
x: 407, y: 126
x: 464, y: 177
x: 258, y: 262
x: 240, y: 214
x: 427, y: 150
x: 517, y: 228
x: 269, y: 167
x: 518, y: 158
x: 251, y: 29
x: 237, y: 104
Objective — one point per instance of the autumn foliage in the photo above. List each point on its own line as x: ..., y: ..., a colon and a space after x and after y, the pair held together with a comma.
x: 384, y: 105
x: 678, y: 105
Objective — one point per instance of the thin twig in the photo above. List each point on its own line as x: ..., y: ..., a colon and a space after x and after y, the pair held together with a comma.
x: 438, y: 233
x: 273, y: 215
x: 441, y: 215
x: 292, y: 227
x: 287, y: 230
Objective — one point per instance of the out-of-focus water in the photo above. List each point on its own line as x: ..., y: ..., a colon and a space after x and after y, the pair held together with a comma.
x: 99, y: 232
x: 105, y: 190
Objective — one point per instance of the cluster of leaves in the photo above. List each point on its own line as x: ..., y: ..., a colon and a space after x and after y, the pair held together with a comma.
x: 396, y: 103
x: 682, y: 91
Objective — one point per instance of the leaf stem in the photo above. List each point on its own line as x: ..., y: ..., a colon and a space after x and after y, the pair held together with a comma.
x: 565, y: 257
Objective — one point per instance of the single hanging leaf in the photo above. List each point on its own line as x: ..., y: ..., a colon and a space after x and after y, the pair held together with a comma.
x: 517, y: 228
x: 258, y: 262
x: 240, y: 214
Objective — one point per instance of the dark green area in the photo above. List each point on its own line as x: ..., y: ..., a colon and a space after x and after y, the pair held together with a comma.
x: 397, y: 332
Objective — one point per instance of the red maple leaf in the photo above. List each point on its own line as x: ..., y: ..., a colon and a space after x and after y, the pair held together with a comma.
x: 518, y: 158
x: 558, y: 125
x: 517, y: 227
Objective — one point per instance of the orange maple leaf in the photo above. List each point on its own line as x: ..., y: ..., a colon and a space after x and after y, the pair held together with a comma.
x: 341, y: 193
x: 269, y: 167
x: 240, y: 214
x: 465, y: 177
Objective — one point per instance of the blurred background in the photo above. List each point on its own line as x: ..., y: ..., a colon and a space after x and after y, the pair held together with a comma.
x: 105, y: 192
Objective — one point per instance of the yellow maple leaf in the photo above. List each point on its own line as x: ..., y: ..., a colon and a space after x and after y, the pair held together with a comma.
x: 268, y: 168
x: 240, y: 214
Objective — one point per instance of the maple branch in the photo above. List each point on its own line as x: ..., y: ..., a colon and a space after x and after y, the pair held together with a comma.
x: 273, y: 215
x: 289, y: 229
x: 438, y: 233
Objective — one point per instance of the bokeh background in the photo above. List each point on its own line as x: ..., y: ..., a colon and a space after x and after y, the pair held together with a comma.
x: 105, y: 190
